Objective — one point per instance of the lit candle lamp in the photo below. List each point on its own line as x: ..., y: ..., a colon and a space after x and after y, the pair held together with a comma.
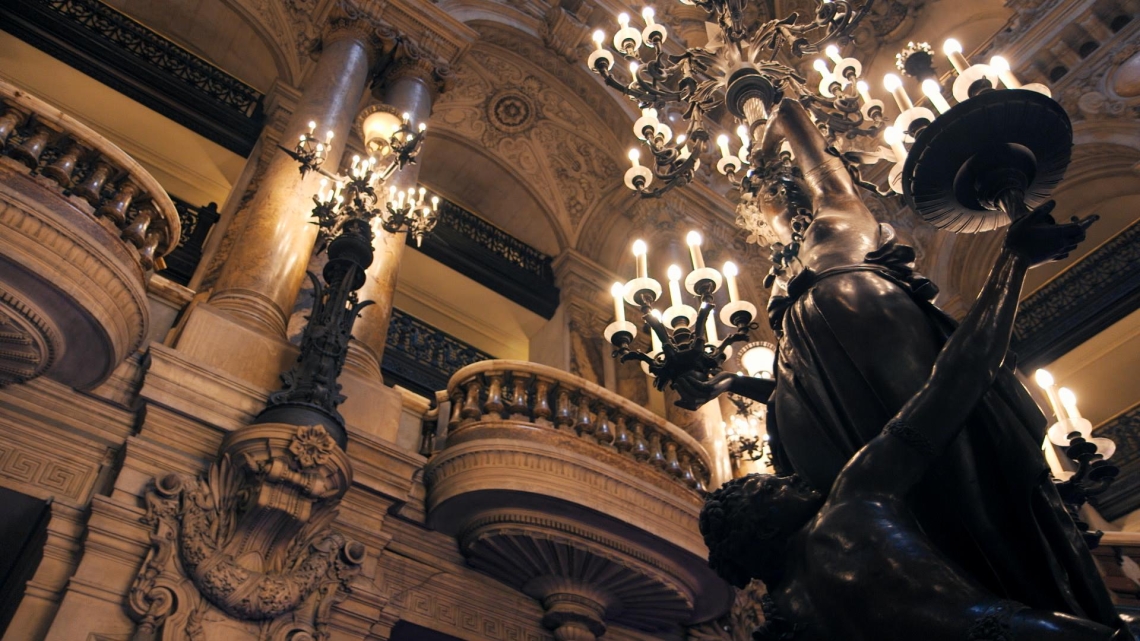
x: 674, y: 274
x: 832, y: 52
x: 934, y: 92
x: 694, y: 241
x: 312, y: 127
x: 894, y: 137
x: 640, y: 251
x: 953, y: 50
x: 821, y: 66
x: 1045, y: 380
x: 730, y: 273
x: 635, y: 157
x: 722, y: 142
x: 1069, y: 402
x: 328, y: 137
x: 599, y: 38
x: 1001, y: 66
x: 864, y: 91
x: 894, y: 85
x: 618, y: 291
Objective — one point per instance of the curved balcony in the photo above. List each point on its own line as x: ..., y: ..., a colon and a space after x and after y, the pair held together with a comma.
x: 576, y: 497
x: 82, y: 225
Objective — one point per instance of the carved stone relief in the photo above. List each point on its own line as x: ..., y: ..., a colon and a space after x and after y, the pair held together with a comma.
x: 248, y: 551
x: 746, y: 616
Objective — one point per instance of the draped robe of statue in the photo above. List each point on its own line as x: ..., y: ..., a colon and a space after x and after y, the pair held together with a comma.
x: 858, y: 336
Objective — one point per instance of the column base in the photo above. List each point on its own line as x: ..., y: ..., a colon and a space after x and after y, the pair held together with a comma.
x: 252, y: 309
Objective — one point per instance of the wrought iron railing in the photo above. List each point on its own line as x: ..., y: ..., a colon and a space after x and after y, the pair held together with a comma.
x: 495, y: 240
x: 422, y: 358
x: 196, y: 225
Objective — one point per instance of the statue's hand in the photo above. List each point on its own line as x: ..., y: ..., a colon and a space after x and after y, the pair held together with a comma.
x: 1038, y: 239
x: 696, y: 392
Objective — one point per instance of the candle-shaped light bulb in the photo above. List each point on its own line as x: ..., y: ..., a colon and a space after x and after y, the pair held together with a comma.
x: 647, y: 13
x: 640, y: 254
x: 821, y: 66
x: 599, y: 38
x: 623, y: 20
x: 303, y: 137
x: 634, y: 157
x: 894, y: 85
x: 320, y: 146
x: 1069, y: 401
x: 742, y: 131
x: 618, y: 291
x: 1001, y: 66
x: 633, y: 66
x: 422, y: 127
x: 730, y: 274
x: 406, y: 117
x: 312, y: 127
x: 328, y: 137
x: 435, y: 203
x: 934, y: 92
x: 694, y: 240
x: 895, y: 137
x: 674, y: 275
x: 953, y: 50
x: 864, y: 91
x: 832, y: 52
x: 1045, y: 380
x: 722, y: 142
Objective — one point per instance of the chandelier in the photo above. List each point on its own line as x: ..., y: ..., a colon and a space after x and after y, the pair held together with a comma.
x: 951, y: 175
x: 684, y: 339
x: 353, y: 202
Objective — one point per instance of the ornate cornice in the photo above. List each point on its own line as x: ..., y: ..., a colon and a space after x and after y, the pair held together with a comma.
x: 1123, y: 496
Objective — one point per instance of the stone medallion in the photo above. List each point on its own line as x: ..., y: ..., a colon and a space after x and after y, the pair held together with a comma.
x: 511, y: 111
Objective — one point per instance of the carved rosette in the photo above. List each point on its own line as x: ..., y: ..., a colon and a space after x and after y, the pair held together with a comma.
x: 252, y: 540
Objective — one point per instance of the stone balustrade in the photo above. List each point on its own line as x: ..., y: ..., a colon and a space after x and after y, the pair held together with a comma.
x: 104, y: 181
x: 553, y: 399
x: 576, y: 497
x: 82, y: 227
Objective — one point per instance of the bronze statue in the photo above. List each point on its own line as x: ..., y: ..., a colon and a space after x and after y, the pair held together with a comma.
x: 857, y: 564
x: 857, y: 338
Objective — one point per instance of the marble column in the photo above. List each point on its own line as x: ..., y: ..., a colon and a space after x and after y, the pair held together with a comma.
x: 409, y: 87
x: 264, y: 271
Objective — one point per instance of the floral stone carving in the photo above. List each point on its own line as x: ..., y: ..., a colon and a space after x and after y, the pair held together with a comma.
x: 250, y: 545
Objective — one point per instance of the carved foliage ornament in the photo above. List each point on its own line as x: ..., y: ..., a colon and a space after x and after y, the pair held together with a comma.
x: 252, y: 538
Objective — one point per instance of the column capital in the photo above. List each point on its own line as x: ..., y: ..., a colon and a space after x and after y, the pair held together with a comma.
x: 411, y: 62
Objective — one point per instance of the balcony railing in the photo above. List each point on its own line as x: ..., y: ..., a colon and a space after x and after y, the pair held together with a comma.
x: 101, y: 178
x: 500, y: 390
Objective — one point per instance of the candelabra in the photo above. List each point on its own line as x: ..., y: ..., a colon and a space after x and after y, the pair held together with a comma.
x: 345, y: 215
x: 684, y: 340
x: 1090, y: 473
x: 971, y: 167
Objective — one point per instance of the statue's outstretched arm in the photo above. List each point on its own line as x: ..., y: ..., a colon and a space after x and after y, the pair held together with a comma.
x: 968, y: 363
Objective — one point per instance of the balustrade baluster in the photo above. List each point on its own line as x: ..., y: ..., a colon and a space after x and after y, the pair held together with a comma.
x: 604, y: 430
x: 60, y: 171
x: 519, y: 409
x: 687, y: 475
x: 585, y: 421
x: 494, y: 403
x: 149, y: 248
x: 135, y: 232
x: 671, y: 464
x: 656, y: 455
x: 29, y: 152
x: 116, y: 208
x: 622, y: 439
x: 9, y: 120
x: 471, y: 409
x: 542, y: 411
x: 564, y: 410
x: 640, y: 448
x: 456, y: 410
x: 91, y: 189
